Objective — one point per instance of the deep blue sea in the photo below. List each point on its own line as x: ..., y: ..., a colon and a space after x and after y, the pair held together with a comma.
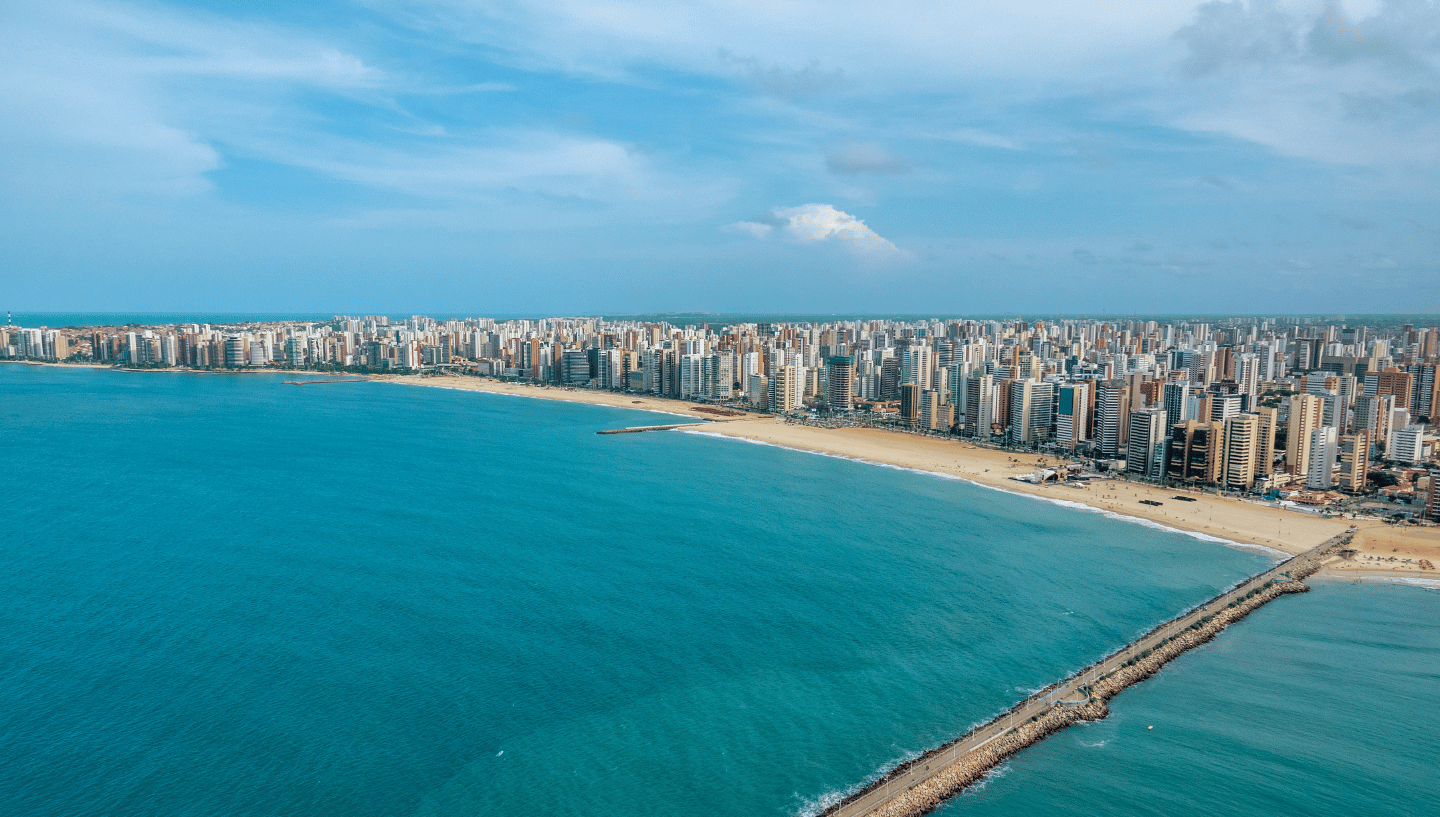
x: 224, y: 595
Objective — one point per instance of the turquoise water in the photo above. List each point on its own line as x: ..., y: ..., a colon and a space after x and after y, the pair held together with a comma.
x: 226, y: 595
x: 1326, y: 705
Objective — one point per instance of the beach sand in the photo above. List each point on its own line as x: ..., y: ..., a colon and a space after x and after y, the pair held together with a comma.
x: 1381, y: 543
x: 1233, y: 520
x: 598, y: 398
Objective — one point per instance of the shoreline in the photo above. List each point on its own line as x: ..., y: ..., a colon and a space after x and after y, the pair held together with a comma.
x: 615, y: 399
x: 1222, y: 520
x: 1060, y: 501
x: 1230, y: 522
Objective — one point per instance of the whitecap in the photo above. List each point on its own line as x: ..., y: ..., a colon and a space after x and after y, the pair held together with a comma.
x: 811, y: 808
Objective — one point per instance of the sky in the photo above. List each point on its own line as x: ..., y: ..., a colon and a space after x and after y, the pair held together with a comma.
x: 618, y: 156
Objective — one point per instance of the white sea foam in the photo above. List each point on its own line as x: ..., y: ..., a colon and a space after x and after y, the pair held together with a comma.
x: 994, y: 774
x: 1278, y: 555
x: 811, y: 808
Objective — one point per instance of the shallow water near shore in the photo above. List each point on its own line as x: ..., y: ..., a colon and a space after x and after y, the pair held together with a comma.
x: 227, y: 595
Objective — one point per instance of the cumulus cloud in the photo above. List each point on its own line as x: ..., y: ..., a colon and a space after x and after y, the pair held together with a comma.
x: 810, y: 223
x: 864, y: 157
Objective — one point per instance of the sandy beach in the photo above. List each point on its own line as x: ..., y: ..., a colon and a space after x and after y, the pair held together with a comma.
x: 598, y: 398
x: 1224, y: 518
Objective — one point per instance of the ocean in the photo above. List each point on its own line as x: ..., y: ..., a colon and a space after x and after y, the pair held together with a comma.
x: 227, y: 595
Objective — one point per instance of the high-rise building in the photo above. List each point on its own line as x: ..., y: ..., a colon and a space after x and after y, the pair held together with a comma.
x: 575, y: 367
x: 785, y: 388
x: 1354, y: 461
x: 916, y: 365
x: 1072, y: 415
x: 1145, y: 453
x: 1426, y: 389
x: 236, y: 351
x: 1324, y: 450
x: 1407, y: 444
x: 1241, y: 447
x: 1031, y: 404
x: 1306, y: 414
x: 1372, y: 414
x: 1394, y: 381
x: 840, y: 382
x: 1195, y: 453
x: 935, y: 413
x: 979, y: 405
x: 1432, y: 500
x: 1268, y: 421
x: 757, y: 391
x: 1178, y: 403
x: 692, y: 372
x: 1224, y: 405
x: 910, y: 403
x: 1111, y: 416
x: 890, y: 379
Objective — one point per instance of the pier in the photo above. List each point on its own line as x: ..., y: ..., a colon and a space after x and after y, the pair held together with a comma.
x: 921, y: 785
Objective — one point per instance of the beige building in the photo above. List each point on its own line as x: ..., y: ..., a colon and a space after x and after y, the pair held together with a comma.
x: 1307, y: 413
x: 1269, y: 419
x: 1242, y: 438
x: 1354, y: 461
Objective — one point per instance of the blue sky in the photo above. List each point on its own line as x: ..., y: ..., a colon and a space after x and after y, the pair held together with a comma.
x: 722, y: 155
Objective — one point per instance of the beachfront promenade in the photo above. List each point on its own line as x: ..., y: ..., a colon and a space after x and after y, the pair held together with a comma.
x: 920, y: 785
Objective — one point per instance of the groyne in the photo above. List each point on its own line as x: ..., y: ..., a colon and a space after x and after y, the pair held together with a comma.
x: 921, y: 785
x: 638, y: 429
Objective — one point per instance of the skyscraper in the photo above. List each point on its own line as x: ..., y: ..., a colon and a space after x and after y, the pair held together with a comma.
x: 1177, y: 402
x: 1072, y: 414
x: 1306, y: 415
x: 1354, y: 461
x: 840, y: 382
x: 1241, y: 434
x: 979, y: 405
x: 1324, y: 450
x: 1195, y: 452
x: 785, y: 389
x: 1111, y: 413
x: 910, y: 403
x: 1145, y: 453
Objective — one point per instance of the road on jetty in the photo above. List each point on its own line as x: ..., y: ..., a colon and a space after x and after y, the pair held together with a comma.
x: 919, y: 786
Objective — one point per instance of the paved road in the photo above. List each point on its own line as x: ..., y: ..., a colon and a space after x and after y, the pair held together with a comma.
x: 1070, y: 691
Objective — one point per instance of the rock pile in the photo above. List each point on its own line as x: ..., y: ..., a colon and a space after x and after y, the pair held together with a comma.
x: 970, y: 767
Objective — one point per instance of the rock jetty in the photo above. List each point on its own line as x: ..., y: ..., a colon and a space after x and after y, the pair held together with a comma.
x: 971, y: 766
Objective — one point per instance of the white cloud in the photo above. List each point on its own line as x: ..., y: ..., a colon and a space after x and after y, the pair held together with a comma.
x: 810, y: 223
x: 808, y: 46
x: 1311, y: 81
x: 88, y: 92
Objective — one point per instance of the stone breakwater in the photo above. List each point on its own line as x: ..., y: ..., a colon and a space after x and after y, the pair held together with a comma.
x: 971, y: 766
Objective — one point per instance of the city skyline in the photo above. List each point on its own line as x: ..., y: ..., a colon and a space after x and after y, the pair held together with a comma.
x: 1257, y: 405
x: 565, y: 158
